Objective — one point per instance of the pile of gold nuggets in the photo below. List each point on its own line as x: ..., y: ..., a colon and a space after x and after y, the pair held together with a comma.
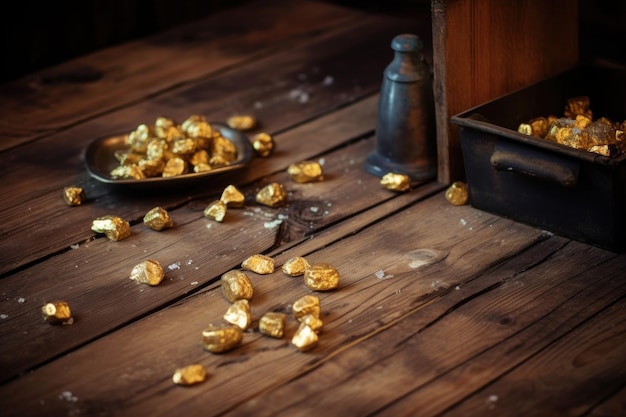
x: 170, y: 149
x: 577, y: 129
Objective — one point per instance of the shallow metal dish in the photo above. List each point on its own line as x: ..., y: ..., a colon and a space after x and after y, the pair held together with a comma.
x: 100, y: 160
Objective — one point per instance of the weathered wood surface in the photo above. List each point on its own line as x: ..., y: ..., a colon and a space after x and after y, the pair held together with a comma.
x: 60, y: 97
x: 441, y: 309
x: 332, y: 71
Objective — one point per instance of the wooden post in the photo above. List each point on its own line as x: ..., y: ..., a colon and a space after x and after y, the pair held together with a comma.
x: 483, y: 49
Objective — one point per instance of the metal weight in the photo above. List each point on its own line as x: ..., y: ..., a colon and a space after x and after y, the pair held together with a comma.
x: 405, y: 131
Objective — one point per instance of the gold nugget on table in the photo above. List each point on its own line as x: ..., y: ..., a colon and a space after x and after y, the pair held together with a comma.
x: 232, y: 197
x: 263, y: 144
x: 261, y: 264
x: 272, y: 195
x: 221, y: 338
x: 189, y: 375
x: 236, y: 285
x: 304, y: 338
x: 296, y: 266
x: 239, y: 314
x: 74, y: 196
x: 57, y: 312
x: 306, y: 171
x: 457, y: 194
x: 273, y: 324
x: 242, y: 122
x: 216, y: 211
x: 158, y: 219
x: 114, y: 227
x: 148, y: 272
x: 396, y: 182
x: 321, y: 277
x: 307, y: 304
x: 313, y: 321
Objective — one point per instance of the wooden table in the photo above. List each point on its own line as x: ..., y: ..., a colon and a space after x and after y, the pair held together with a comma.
x: 440, y: 310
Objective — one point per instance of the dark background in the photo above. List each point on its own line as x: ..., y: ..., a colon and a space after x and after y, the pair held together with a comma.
x: 39, y: 34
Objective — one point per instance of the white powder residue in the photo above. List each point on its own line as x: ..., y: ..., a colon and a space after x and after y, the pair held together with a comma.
x: 299, y: 95
x: 75, y: 246
x: 4, y: 316
x: 463, y: 222
x: 273, y: 224
x: 189, y: 261
x: 314, y: 209
x: 321, y: 161
x: 436, y: 285
x: 380, y: 274
x: 328, y: 80
x: 194, y: 282
x: 21, y: 300
x: 174, y: 266
x: 68, y: 396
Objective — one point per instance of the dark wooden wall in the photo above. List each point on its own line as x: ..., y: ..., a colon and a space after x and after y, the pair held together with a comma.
x: 38, y: 34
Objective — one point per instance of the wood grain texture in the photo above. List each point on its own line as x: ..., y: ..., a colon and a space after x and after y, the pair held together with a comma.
x: 329, y: 82
x: 373, y: 304
x: 57, y: 98
x: 484, y: 49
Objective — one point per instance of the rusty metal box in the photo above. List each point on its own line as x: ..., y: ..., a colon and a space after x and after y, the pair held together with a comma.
x: 570, y: 192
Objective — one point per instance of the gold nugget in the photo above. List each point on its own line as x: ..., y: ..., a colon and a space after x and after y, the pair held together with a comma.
x: 189, y: 375
x: 263, y: 144
x: 216, y: 211
x: 138, y: 139
x: 151, y: 167
x: 396, y: 182
x: 224, y: 148
x: 321, y: 277
x: 239, y: 314
x: 241, y: 122
x: 308, y: 304
x: 294, y: 267
x: 221, y: 338
x: 306, y: 171
x: 127, y: 172
x: 578, y: 106
x: 174, y: 167
x: 304, y: 338
x: 74, y: 196
x: 236, y: 286
x: 260, y: 264
x: 232, y: 197
x: 57, y: 312
x: 148, y: 272
x: 457, y: 194
x: 314, y: 322
x: 273, y: 324
x: 115, y: 228
x: 272, y: 195
x: 158, y: 219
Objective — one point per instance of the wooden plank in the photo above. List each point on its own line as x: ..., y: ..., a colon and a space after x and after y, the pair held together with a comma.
x: 119, y: 76
x: 572, y: 374
x: 135, y: 378
x: 330, y: 83
x: 484, y: 49
x: 87, y: 279
x: 473, y: 350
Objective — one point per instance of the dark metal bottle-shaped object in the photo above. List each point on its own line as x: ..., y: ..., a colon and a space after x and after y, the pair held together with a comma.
x: 405, y: 131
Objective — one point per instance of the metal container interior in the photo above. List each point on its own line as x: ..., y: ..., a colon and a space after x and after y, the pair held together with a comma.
x: 570, y: 192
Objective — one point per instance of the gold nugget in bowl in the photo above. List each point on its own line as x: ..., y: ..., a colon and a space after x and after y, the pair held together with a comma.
x: 168, y: 153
